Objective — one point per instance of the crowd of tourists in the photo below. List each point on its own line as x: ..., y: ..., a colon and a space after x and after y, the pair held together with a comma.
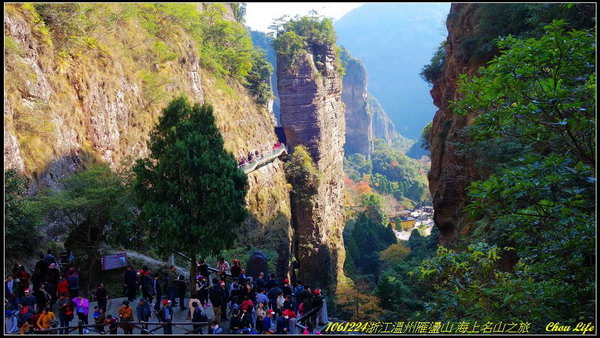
x: 257, y: 155
x: 51, y: 299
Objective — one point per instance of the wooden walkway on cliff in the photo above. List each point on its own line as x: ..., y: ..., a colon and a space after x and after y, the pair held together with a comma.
x: 259, y: 162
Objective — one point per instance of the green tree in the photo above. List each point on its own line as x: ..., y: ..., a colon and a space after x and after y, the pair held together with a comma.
x: 20, y: 223
x: 530, y: 255
x: 94, y: 207
x: 190, y: 190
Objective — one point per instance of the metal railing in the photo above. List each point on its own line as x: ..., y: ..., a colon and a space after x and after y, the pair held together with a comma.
x: 313, y: 316
x: 142, y: 326
x: 256, y: 162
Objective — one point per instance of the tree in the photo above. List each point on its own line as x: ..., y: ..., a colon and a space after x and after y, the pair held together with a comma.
x: 20, y: 224
x: 94, y: 207
x: 190, y: 190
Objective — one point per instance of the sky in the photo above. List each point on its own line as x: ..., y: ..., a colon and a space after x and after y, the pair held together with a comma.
x: 260, y: 15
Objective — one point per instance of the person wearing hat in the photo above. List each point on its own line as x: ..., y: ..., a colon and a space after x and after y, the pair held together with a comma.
x: 29, y: 298
x: 283, y: 323
x: 286, y: 288
x: 236, y: 269
x: 267, y: 322
x: 165, y: 316
x: 125, y: 313
x: 10, y: 318
x: 112, y: 324
x: 143, y: 313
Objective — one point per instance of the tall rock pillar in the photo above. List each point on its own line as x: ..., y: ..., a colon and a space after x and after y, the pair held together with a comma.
x: 312, y: 115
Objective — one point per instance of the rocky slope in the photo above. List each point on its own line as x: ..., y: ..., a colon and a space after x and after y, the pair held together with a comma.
x: 312, y: 115
x: 99, y: 100
x: 450, y: 172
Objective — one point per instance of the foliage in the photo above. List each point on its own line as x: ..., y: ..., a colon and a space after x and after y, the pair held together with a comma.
x: 356, y: 303
x: 540, y: 92
x: 435, y: 68
x: 259, y: 78
x: 523, y: 20
x: 93, y: 208
x: 425, y: 136
x: 302, y: 174
x: 306, y: 34
x: 190, y: 191
x: 401, y: 293
x: 20, y: 223
x: 94, y: 204
x: 394, y: 254
x: 531, y: 254
x: 357, y: 165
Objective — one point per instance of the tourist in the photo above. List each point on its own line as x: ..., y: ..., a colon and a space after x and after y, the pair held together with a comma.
x: 215, y: 328
x: 261, y: 297
x: 157, y: 291
x: 260, y: 316
x: 49, y: 258
x: 101, y: 296
x: 29, y: 298
x: 292, y: 328
x: 43, y: 298
x: 65, y: 311
x: 45, y: 320
x: 216, y: 296
x: 223, y: 267
x: 165, y: 316
x: 40, y: 272
x: 82, y: 308
x: 145, y: 281
x: 198, y: 316
x: 130, y: 281
x: 283, y: 323
x: 181, y: 288
x: 236, y: 269
x: 235, y: 325
x: 143, y: 313
x: 73, y: 281
x: 172, y: 285
x: 203, y: 292
x: 62, y: 286
x: 99, y: 318
x: 125, y: 313
x: 112, y: 324
x: 267, y: 323
x: 53, y: 275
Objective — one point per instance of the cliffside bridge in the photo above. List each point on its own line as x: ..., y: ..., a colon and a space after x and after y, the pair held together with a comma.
x: 258, y: 162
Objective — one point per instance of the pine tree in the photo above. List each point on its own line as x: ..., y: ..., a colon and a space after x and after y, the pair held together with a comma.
x: 191, y: 192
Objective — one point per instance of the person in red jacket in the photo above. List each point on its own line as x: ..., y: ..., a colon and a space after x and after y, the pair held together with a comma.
x: 62, y: 286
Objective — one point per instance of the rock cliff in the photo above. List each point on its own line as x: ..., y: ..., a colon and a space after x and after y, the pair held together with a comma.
x: 100, y: 100
x: 312, y: 115
x: 359, y: 119
x: 450, y: 172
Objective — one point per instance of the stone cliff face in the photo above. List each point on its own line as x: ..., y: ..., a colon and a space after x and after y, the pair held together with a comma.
x: 359, y: 119
x: 62, y: 111
x: 383, y: 127
x: 451, y: 173
x: 312, y: 114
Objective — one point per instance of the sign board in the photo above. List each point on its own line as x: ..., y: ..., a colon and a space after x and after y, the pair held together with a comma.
x: 118, y: 260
